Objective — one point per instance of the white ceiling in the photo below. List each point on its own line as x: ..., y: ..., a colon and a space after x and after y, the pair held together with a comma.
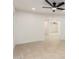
x: 27, y: 5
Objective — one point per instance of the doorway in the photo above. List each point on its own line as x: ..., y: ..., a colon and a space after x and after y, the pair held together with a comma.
x: 52, y: 29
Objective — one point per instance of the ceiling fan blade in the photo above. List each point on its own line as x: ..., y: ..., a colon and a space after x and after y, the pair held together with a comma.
x: 61, y: 8
x: 49, y: 3
x: 60, y: 4
x: 46, y: 7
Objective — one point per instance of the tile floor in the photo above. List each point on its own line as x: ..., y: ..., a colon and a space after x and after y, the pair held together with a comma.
x: 40, y: 50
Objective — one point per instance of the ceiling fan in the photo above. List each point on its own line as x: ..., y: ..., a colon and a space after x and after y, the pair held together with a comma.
x: 54, y: 6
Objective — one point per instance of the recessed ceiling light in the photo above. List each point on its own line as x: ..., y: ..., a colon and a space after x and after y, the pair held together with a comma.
x: 33, y: 9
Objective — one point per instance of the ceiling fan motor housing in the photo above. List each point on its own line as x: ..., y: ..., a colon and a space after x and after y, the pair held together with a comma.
x: 53, y: 10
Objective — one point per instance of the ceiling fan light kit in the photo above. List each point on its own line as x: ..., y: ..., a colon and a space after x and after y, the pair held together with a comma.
x: 54, y: 6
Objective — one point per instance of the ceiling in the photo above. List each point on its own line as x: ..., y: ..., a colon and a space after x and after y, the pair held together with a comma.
x: 27, y: 5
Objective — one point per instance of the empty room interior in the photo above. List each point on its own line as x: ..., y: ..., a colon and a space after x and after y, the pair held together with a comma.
x: 39, y: 29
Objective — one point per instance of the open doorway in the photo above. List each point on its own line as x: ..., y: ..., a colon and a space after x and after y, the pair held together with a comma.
x: 52, y: 29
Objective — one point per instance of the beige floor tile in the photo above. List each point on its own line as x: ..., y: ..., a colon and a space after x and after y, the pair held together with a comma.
x: 40, y: 50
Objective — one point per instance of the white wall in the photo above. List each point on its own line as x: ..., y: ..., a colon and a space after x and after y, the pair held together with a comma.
x: 29, y: 27
x: 14, y: 25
